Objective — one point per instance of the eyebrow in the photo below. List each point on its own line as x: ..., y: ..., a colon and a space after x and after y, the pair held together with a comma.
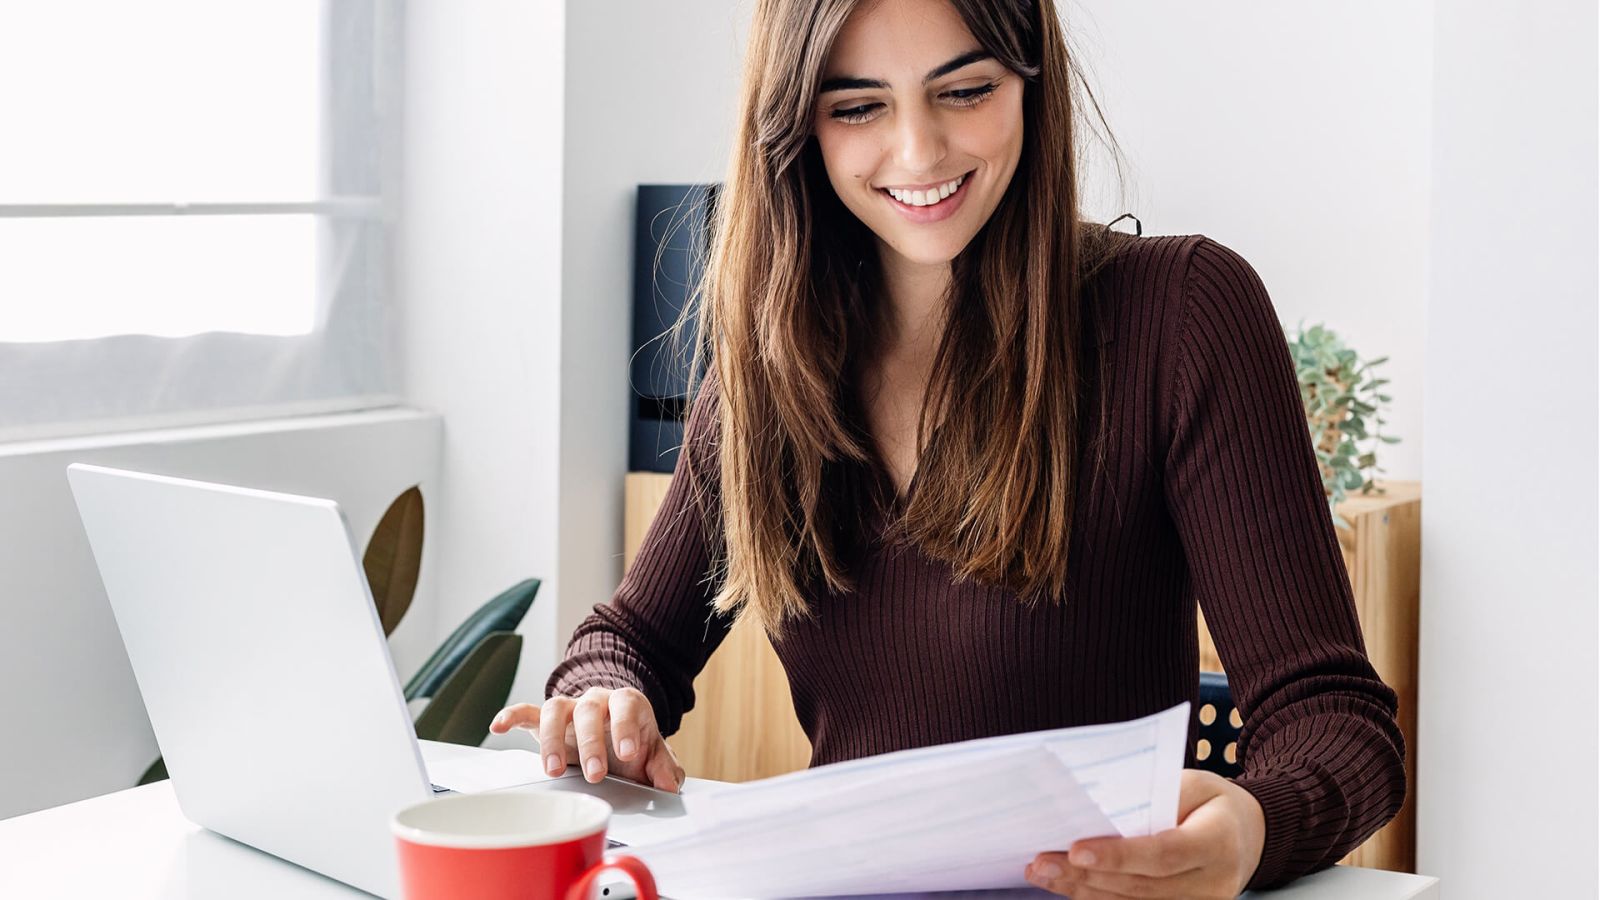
x: 849, y: 82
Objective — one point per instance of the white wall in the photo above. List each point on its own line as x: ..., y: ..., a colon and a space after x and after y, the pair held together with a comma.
x: 1507, y: 755
x: 651, y: 89
x: 75, y: 725
x: 479, y: 275
x: 1298, y: 135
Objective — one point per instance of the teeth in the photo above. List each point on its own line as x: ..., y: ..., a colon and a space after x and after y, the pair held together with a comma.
x: 928, y: 197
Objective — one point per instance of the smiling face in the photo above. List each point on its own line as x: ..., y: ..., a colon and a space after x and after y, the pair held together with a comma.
x: 920, y: 129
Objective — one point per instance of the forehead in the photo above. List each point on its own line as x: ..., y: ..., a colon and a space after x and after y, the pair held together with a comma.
x: 898, y: 40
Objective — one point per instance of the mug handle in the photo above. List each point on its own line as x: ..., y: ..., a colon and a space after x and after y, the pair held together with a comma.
x: 643, y: 881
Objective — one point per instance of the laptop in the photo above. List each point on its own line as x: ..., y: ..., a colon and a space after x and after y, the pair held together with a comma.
x: 265, y: 671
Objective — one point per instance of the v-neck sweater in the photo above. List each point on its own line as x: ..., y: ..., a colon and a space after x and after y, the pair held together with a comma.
x: 1210, y: 493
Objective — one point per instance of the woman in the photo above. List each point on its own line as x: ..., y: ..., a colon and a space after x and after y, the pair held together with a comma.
x: 972, y: 461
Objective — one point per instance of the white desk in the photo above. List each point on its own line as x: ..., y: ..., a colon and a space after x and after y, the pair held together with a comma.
x: 135, y: 844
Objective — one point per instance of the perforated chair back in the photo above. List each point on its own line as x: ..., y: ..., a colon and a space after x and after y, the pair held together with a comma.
x: 1217, y: 746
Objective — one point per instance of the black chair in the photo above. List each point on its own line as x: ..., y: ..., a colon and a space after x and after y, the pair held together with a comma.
x: 1217, y: 746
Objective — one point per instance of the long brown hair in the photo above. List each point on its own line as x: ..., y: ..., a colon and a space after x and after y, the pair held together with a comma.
x: 786, y: 311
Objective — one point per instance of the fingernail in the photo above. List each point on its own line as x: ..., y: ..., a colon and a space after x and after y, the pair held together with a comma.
x: 626, y: 747
x: 592, y: 767
x: 499, y: 719
x: 1047, y: 870
x: 551, y: 764
x: 1081, y: 857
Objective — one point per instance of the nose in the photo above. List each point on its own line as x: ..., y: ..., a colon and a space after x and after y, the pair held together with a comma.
x: 921, y: 143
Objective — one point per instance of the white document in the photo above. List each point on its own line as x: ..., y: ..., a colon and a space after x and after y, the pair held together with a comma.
x: 964, y: 816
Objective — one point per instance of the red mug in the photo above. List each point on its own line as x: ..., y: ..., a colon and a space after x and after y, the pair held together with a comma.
x: 536, y: 845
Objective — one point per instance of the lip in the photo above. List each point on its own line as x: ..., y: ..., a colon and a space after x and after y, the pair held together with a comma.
x: 940, y: 211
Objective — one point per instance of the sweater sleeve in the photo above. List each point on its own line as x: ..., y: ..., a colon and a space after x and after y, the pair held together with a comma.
x: 1320, y: 748
x: 659, y: 628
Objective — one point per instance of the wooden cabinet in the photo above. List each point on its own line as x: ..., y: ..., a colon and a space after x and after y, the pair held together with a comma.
x: 743, y: 725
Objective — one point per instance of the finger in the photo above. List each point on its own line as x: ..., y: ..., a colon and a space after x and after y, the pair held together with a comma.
x: 1194, y: 883
x: 677, y: 767
x: 1048, y: 871
x: 519, y: 715
x: 631, y: 719
x: 1052, y: 872
x: 663, y: 772
x: 590, y: 717
x: 1089, y: 893
x: 1167, y: 853
x: 554, y: 717
x: 570, y: 744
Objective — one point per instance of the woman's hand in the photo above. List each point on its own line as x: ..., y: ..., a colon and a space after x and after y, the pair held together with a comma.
x: 1212, y: 853
x: 606, y: 730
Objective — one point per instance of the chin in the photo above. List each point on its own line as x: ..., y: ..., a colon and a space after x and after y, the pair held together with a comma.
x: 928, y: 253
x: 934, y: 259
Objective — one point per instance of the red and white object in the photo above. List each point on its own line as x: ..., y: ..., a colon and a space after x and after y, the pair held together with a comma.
x: 509, y: 846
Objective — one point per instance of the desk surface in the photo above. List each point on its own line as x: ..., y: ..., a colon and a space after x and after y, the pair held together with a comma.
x: 136, y: 844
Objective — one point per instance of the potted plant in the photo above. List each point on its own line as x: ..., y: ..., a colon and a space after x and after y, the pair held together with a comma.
x: 1340, y: 396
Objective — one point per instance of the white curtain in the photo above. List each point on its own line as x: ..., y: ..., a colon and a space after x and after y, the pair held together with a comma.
x: 194, y: 211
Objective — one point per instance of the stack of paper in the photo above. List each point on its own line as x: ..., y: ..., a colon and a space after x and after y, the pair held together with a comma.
x: 952, y: 817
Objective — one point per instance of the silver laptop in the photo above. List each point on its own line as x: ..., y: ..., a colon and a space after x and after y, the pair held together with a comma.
x: 263, y: 666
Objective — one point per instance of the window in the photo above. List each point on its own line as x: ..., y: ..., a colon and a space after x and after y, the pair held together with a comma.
x: 193, y: 204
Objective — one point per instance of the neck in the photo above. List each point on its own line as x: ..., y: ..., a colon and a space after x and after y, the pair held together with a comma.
x: 915, y: 298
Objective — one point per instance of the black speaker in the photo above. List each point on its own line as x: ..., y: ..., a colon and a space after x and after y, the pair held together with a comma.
x: 672, y: 237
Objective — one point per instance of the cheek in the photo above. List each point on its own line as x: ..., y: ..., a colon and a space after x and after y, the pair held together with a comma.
x: 1000, y: 129
x: 849, y: 160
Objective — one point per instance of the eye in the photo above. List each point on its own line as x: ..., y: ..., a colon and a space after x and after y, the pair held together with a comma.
x: 970, y: 96
x: 961, y: 97
x: 855, y: 114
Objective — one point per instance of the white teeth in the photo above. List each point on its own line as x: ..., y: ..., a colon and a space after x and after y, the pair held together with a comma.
x: 928, y: 197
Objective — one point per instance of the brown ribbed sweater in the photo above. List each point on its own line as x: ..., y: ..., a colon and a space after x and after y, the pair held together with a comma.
x: 1210, y: 492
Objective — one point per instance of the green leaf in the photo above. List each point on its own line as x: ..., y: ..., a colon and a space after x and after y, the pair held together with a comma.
x: 464, y: 706
x: 393, y: 558
x: 502, y: 613
x: 1388, y: 440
